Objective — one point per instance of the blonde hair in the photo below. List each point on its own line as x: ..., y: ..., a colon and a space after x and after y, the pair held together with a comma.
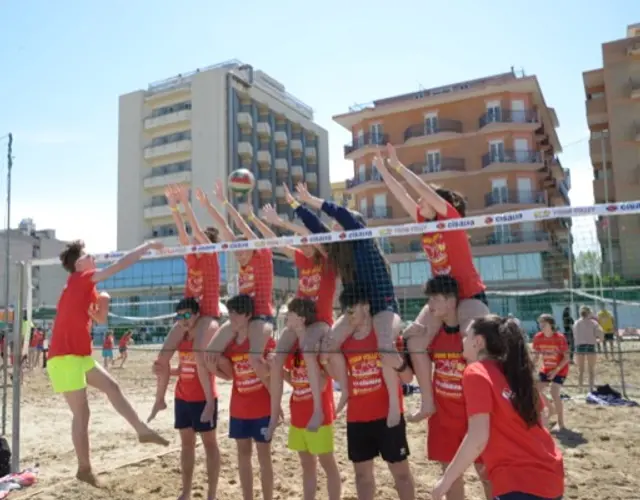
x: 585, y: 311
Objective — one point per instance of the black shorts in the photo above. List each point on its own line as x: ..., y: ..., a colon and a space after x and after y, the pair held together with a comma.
x: 517, y: 495
x: 558, y: 379
x: 368, y: 440
x: 187, y: 416
x: 265, y: 318
x: 383, y: 302
x: 609, y: 337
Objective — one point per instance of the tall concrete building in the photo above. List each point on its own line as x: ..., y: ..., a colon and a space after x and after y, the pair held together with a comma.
x: 613, y: 114
x: 493, y: 139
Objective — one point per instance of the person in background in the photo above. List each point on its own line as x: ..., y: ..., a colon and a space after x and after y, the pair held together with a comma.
x: 587, y: 334
x: 123, y: 347
x: 107, y: 349
x: 567, y: 324
x: 608, y: 326
x: 553, y: 348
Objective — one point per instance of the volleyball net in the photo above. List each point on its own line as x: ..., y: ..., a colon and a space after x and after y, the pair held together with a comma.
x: 550, y: 260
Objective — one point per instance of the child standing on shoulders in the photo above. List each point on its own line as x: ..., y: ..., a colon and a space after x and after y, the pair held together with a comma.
x: 553, y: 347
x: 190, y: 401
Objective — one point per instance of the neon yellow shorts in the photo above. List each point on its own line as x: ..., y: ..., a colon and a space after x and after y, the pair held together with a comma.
x: 316, y: 443
x: 69, y: 373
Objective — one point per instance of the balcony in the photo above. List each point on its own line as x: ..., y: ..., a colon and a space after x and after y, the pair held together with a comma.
x: 310, y: 152
x: 264, y: 185
x: 596, y: 149
x: 602, y: 195
x: 177, y: 147
x: 311, y: 178
x: 296, y: 145
x: 496, y: 120
x: 264, y: 129
x: 429, y: 131
x: 297, y: 172
x: 363, y: 178
x: 597, y: 111
x: 264, y: 157
x: 508, y: 160
x: 633, y: 49
x: 279, y: 192
x: 282, y: 164
x: 364, y: 144
x: 446, y: 167
x: 378, y: 212
x: 157, y: 211
x: 245, y: 149
x: 245, y: 119
x: 156, y: 122
x: 280, y: 137
x: 160, y: 180
x: 509, y: 197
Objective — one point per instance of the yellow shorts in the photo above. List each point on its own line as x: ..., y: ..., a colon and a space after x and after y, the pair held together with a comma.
x: 69, y: 373
x: 316, y: 443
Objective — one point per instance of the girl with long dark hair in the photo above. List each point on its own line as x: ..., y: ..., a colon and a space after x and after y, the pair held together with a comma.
x: 505, y: 417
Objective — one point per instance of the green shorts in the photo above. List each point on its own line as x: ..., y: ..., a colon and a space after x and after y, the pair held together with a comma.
x: 69, y: 373
x: 585, y: 349
x: 316, y: 443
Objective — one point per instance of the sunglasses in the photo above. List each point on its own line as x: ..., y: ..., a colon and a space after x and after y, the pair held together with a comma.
x: 184, y: 315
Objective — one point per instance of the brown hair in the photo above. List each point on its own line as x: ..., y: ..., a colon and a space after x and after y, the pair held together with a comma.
x: 70, y: 255
x: 304, y: 308
x: 213, y: 234
x: 585, y: 311
x: 548, y: 319
x: 504, y: 342
x: 454, y: 198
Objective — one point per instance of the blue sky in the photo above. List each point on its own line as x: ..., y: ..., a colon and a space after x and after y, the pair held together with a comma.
x: 64, y: 64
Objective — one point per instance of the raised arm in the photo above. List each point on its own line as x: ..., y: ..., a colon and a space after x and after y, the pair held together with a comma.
x: 171, y: 194
x: 225, y: 230
x: 426, y: 192
x: 127, y: 261
x: 311, y: 221
x: 237, y: 219
x: 198, y: 234
x: 267, y: 232
x: 343, y: 215
x: 397, y: 190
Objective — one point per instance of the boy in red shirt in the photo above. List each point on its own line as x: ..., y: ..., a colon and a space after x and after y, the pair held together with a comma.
x: 552, y: 346
x: 250, y: 405
x: 312, y: 446
x: 190, y: 401
x: 504, y: 411
x: 447, y: 427
x: 107, y: 349
x: 71, y: 365
x: 368, y: 435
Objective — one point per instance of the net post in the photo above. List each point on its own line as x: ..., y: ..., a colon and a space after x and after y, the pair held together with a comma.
x: 24, y: 291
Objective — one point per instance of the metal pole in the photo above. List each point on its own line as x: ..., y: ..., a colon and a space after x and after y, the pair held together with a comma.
x: 18, y: 349
x: 7, y: 287
x: 611, y: 267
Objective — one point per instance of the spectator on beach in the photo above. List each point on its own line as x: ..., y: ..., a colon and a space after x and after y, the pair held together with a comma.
x: 586, y: 334
x: 608, y: 325
x: 567, y: 323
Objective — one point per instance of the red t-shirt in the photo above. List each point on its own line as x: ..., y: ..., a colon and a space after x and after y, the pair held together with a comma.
x: 188, y: 387
x: 553, y: 350
x: 256, y: 280
x: 203, y: 282
x: 316, y: 281
x: 368, y: 395
x: 301, y: 402
x: 517, y: 458
x: 108, y: 342
x: 124, y: 340
x: 37, y: 339
x: 250, y: 399
x: 72, y: 326
x: 448, y: 366
x: 449, y: 253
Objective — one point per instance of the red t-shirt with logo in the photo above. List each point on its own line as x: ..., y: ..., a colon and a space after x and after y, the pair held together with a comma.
x: 368, y: 395
x: 256, y: 280
x: 552, y: 349
x: 517, y: 458
x: 316, y: 281
x: 72, y: 326
x: 108, y: 342
x: 250, y: 399
x: 445, y: 352
x: 188, y: 387
x: 124, y: 340
x: 301, y: 402
x: 203, y: 282
x: 449, y: 253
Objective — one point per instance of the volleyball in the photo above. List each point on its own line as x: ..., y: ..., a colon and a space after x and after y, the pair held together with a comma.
x: 241, y: 181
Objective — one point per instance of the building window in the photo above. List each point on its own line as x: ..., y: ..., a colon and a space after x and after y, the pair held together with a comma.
x: 494, y: 112
x: 524, y: 266
x: 174, y: 108
x: 168, y: 139
x: 430, y: 123
x: 433, y: 161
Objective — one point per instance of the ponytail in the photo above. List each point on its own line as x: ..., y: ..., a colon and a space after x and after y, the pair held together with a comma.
x: 518, y: 370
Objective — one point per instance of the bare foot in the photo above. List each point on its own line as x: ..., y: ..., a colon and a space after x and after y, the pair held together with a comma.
x: 158, y: 406
x: 184, y: 496
x: 427, y: 408
x: 344, y: 397
x: 393, y: 418
x: 152, y: 437
x: 87, y: 476
x: 315, y: 422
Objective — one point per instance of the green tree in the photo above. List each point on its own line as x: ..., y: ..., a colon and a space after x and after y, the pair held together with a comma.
x: 587, y: 265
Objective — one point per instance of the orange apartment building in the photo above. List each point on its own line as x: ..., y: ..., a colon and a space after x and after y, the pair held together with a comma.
x: 494, y: 140
x: 613, y: 115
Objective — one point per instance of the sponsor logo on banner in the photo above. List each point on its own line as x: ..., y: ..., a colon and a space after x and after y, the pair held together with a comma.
x: 342, y: 236
x: 583, y: 210
x: 259, y: 244
x: 114, y: 255
x: 385, y: 232
x: 630, y: 206
x: 272, y: 242
x: 516, y: 216
x: 239, y: 245
x: 321, y: 238
x: 460, y: 224
x: 193, y: 249
x: 422, y: 228
x: 563, y: 212
x: 441, y: 225
x: 401, y: 230
x: 209, y: 248
x: 541, y: 214
x: 304, y: 240
x: 365, y: 233
x: 224, y: 246
x: 612, y: 208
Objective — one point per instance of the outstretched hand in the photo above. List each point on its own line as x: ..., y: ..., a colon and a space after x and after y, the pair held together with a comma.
x: 287, y: 194
x: 201, y: 196
x: 218, y: 191
x: 303, y: 193
x: 155, y: 245
x: 183, y: 194
x: 392, y: 154
x: 379, y: 163
x: 171, y: 195
x: 270, y: 215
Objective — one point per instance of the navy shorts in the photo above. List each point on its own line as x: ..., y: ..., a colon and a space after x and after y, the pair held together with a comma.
x: 187, y: 415
x: 558, y: 379
x: 265, y: 318
x: 516, y: 495
x: 249, y: 428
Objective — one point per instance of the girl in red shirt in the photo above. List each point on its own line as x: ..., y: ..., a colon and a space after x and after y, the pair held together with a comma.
x: 448, y: 252
x: 504, y: 409
x: 255, y: 279
x: 203, y: 284
x: 107, y: 350
x: 317, y: 282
